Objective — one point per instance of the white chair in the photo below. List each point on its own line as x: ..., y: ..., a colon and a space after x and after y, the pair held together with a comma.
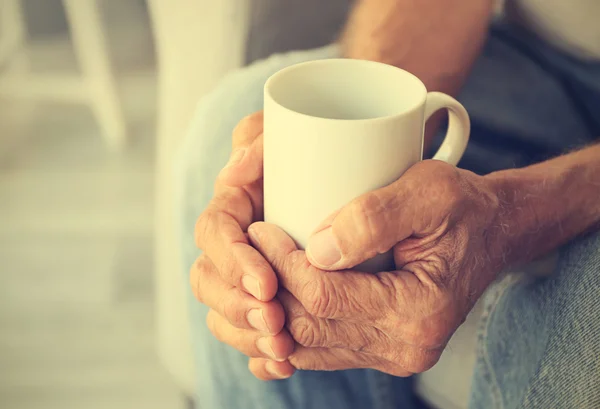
x: 97, y: 85
x: 197, y: 42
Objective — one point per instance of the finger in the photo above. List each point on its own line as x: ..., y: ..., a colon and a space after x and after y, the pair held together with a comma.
x: 240, y: 309
x: 245, y: 163
x: 345, y: 295
x: 313, y: 332
x: 219, y: 232
x: 248, y: 129
x: 373, y: 223
x: 251, y: 343
x: 333, y: 359
x: 268, y: 370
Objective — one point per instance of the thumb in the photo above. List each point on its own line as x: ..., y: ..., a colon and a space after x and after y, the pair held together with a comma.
x: 371, y: 224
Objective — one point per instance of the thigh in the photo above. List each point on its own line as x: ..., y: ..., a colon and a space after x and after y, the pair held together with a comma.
x: 540, y: 338
x: 222, y: 376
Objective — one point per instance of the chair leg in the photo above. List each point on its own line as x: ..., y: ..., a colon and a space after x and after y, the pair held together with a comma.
x: 92, y: 51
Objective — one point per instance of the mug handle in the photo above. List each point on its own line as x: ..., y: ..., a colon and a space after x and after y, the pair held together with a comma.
x: 459, y: 126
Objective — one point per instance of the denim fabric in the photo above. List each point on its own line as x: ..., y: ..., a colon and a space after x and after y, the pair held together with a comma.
x: 527, y: 102
x: 538, y: 343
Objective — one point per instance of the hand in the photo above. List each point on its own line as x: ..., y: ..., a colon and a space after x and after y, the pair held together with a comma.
x: 438, y: 221
x: 231, y: 277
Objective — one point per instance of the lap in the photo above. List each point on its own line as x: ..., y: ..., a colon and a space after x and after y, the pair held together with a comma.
x: 539, y: 337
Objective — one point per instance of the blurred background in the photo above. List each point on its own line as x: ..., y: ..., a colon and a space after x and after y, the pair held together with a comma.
x: 77, y: 170
x: 95, y: 96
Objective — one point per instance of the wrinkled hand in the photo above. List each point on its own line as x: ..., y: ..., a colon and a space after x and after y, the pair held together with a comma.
x: 231, y: 277
x: 436, y: 218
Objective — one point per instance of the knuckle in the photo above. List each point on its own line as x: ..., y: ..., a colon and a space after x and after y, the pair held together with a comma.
x: 231, y: 310
x: 202, y: 228
x: 441, y: 318
x: 304, y: 331
x: 197, y: 274
x: 227, y: 269
x: 368, y: 216
x: 242, y: 127
x: 448, y: 182
x: 413, y: 335
x: 249, y: 125
x: 316, y: 294
x: 291, y: 306
x: 453, y: 190
x: 412, y: 360
x: 444, y: 187
x: 296, y: 261
x: 435, y: 336
x: 420, y: 362
x: 427, y: 335
x: 229, y: 202
x: 394, y: 289
x: 319, y: 298
x: 304, y: 362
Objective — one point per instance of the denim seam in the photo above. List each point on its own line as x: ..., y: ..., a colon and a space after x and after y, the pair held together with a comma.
x: 482, y: 332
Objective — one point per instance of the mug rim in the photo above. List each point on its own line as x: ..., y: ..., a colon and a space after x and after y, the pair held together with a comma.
x: 419, y: 102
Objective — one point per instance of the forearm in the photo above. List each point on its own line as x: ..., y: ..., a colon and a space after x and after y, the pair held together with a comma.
x: 546, y: 205
x: 437, y: 40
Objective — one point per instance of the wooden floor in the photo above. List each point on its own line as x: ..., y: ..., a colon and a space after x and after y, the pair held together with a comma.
x: 76, y: 291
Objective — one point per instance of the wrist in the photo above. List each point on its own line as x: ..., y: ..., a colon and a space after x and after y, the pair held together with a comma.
x: 510, y: 220
x: 543, y: 206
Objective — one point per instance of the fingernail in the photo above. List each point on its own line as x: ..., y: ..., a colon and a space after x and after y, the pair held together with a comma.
x: 251, y: 286
x: 271, y: 368
x: 256, y: 319
x: 236, y: 157
x: 323, y: 249
x: 265, y: 347
x: 253, y: 235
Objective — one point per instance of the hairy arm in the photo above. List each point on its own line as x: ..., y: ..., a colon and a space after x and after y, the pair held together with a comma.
x: 437, y: 40
x: 546, y: 205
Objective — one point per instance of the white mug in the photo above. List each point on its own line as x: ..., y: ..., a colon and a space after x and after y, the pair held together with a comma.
x: 336, y: 129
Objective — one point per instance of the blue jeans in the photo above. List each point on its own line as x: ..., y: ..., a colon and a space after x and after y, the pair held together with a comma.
x: 539, y: 339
